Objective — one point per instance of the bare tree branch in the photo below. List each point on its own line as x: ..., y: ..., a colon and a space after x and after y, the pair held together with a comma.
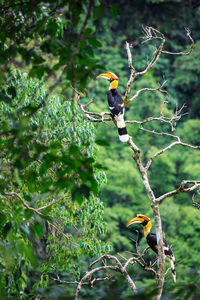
x: 178, y: 142
x: 14, y: 194
x: 88, y: 114
x: 36, y: 210
x: 132, y: 75
x: 117, y: 267
x: 150, y: 34
x: 159, y: 88
x: 188, y: 32
x: 53, y: 202
x: 90, y: 273
x: 197, y: 205
x: 180, y: 189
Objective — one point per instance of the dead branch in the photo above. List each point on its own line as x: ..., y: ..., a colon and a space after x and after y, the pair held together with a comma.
x: 197, y: 205
x: 117, y: 267
x: 178, y: 142
x: 181, y: 189
x: 90, y: 273
x: 151, y: 33
x: 188, y: 32
x: 132, y: 75
x: 159, y: 88
x: 63, y: 281
x: 36, y: 210
x: 88, y: 114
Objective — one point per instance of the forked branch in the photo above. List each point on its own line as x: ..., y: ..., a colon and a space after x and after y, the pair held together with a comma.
x: 114, y: 265
x: 150, y: 34
x: 188, y: 32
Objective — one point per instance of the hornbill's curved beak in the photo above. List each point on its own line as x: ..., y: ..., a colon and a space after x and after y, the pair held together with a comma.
x: 138, y: 219
x: 108, y: 76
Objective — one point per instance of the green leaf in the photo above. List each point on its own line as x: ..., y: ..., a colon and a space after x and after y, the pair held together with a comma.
x: 6, y: 228
x: 2, y: 219
x: 28, y: 213
x: 89, y: 51
x: 45, y: 217
x: 88, y: 32
x: 98, y: 12
x: 102, y: 142
x: 38, y: 229
x: 94, y: 42
x: 114, y: 10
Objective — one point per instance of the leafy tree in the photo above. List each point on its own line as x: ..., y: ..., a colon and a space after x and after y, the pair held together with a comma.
x: 50, y: 38
x: 43, y: 171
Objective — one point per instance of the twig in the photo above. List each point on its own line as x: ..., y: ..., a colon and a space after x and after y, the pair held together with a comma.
x: 197, y: 205
x: 188, y: 32
x: 178, y: 142
x: 53, y: 202
x: 152, y: 33
x: 159, y: 88
x: 88, y: 114
x: 14, y: 194
x: 90, y: 273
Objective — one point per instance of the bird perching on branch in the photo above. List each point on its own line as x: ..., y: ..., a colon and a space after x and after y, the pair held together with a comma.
x: 152, y: 240
x: 116, y: 105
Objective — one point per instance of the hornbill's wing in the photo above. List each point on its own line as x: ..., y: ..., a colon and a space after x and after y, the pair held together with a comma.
x: 116, y: 106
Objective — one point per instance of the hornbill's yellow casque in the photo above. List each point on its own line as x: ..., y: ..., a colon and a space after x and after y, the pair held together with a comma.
x: 152, y: 240
x: 116, y: 105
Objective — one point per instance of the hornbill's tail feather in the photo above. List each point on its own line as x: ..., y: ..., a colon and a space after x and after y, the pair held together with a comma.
x: 123, y: 135
x: 171, y: 260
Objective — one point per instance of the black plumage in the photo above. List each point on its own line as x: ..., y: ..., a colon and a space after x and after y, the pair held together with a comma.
x: 115, y: 102
x: 116, y: 105
x: 152, y: 240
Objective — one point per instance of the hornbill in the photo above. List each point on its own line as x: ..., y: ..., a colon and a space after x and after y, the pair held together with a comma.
x: 152, y: 240
x: 116, y: 105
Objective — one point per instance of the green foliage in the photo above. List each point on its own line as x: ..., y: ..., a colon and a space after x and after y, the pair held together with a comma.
x: 47, y: 153
x: 186, y: 81
x: 47, y: 37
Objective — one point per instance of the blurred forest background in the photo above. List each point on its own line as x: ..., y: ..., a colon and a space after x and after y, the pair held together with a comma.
x: 68, y: 186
